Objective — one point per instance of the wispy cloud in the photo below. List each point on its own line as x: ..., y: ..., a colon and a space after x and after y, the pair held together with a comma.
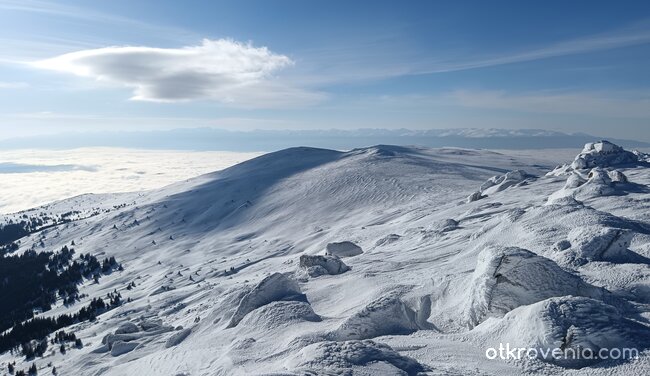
x: 636, y: 35
x: 223, y: 70
x: 379, y: 59
x: 24, y: 46
x: 89, y: 15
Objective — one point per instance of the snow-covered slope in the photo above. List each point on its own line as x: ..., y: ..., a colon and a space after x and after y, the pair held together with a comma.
x: 415, y: 277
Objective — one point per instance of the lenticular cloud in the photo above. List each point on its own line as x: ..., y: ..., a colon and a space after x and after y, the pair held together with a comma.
x: 222, y: 70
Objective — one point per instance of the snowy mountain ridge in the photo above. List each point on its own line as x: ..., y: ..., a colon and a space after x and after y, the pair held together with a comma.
x: 371, y: 261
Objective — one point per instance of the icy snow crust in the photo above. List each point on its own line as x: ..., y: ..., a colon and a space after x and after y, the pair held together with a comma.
x: 234, y: 275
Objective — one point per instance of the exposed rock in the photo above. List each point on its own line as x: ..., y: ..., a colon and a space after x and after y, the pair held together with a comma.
x: 343, y: 249
x: 317, y: 265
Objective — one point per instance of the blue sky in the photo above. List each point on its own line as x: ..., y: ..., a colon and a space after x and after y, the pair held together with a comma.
x: 578, y: 66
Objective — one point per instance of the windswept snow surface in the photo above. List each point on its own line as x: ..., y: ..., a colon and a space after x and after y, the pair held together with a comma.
x: 234, y: 275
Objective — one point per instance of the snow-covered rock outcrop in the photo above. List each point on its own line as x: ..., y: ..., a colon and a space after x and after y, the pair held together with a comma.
x: 343, y: 249
x: 178, y: 337
x: 331, y: 357
x: 386, y: 315
x: 121, y: 347
x: 597, y: 182
x: 570, y: 324
x: 499, y: 183
x: 444, y: 225
x: 475, y: 196
x: 602, y: 154
x: 127, y: 335
x: 272, y: 288
x: 506, y: 278
x: 280, y: 313
x: 317, y: 265
x: 593, y: 172
x: 594, y: 243
x: 127, y: 327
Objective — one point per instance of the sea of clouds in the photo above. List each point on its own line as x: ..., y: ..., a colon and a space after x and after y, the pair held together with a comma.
x: 30, y: 178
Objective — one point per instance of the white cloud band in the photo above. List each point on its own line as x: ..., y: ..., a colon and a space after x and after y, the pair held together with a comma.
x: 223, y: 70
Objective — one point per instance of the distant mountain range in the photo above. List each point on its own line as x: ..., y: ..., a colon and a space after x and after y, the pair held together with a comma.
x: 269, y: 140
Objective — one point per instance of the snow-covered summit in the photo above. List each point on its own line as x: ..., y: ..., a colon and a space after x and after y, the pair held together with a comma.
x: 371, y: 261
